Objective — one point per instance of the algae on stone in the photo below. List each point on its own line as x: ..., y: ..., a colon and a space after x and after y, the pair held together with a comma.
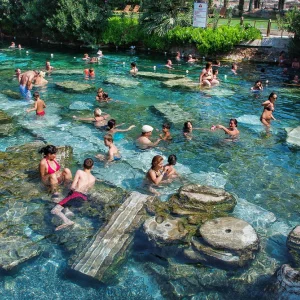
x: 159, y: 76
x: 182, y: 83
x: 74, y: 86
x: 11, y: 94
x: 127, y: 82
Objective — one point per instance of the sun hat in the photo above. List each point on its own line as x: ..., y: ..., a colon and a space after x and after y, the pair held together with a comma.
x: 147, y: 128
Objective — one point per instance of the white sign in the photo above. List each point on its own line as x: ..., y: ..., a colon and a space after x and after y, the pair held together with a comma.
x: 200, y: 15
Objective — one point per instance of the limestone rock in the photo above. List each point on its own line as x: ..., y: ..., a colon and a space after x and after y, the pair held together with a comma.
x: 227, y: 240
x: 173, y: 113
x: 4, y: 118
x: 288, y: 283
x: 66, y: 72
x: 293, y: 244
x: 127, y: 82
x: 165, y: 230
x: 15, y: 250
x: 293, y: 136
x: 74, y: 86
x: 7, y: 129
x: 230, y: 233
x: 159, y: 76
x: 12, y: 94
x: 194, y: 199
x: 182, y: 83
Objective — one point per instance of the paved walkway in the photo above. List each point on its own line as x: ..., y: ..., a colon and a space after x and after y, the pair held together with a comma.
x: 268, y: 42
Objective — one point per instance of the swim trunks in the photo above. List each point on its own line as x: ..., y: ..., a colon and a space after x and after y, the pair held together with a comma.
x: 117, y: 158
x: 25, y: 92
x: 42, y: 113
x: 73, y: 196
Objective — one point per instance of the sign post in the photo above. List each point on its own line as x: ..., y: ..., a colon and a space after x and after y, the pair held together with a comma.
x: 200, y: 15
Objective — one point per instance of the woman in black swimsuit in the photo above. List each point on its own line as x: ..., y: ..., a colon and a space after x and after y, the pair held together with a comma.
x: 269, y: 107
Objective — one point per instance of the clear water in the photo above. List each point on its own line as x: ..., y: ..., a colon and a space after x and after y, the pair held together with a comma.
x: 260, y: 167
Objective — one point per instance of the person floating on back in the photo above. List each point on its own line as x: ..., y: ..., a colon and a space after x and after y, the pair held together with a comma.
x: 83, y: 181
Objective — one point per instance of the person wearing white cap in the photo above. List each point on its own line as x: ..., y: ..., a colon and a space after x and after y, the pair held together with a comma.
x: 143, y: 141
x: 99, y: 120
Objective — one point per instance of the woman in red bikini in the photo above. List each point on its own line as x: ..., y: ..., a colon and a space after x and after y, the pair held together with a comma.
x: 50, y: 170
x: 39, y: 105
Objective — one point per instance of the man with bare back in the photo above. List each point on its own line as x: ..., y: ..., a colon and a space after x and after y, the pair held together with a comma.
x: 83, y: 181
x: 26, y: 81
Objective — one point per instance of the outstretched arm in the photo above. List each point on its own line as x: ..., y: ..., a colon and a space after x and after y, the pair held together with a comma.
x: 123, y: 130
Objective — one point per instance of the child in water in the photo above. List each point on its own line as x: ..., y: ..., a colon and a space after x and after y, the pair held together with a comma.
x: 89, y: 73
x: 166, y: 135
x: 170, y: 171
x: 39, y: 105
x: 113, y: 153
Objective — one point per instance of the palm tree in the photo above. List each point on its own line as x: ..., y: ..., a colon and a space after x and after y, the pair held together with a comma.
x: 162, y: 15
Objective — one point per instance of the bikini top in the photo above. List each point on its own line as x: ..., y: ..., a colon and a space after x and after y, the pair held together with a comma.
x: 50, y: 170
x: 269, y: 108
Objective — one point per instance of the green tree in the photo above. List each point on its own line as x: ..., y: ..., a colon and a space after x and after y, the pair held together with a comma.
x: 163, y: 15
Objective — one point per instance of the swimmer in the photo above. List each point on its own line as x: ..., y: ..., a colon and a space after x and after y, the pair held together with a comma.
x: 269, y: 107
x: 170, y: 171
x: 215, y: 80
x: 231, y: 130
x: 177, y: 57
x: 112, y: 127
x: 113, y: 153
x: 281, y: 60
x: 206, y: 76
x: 86, y: 57
x: 102, y: 96
x: 234, y: 68
x: 295, y: 64
x: 296, y: 79
x: 89, y: 73
x: 133, y: 68
x: 143, y: 141
x: 169, y: 64
x: 20, y: 47
x: 99, y: 120
x: 257, y: 86
x: 191, y: 59
x: 48, y: 66
x: 93, y: 60
x: 50, y: 170
x: 155, y: 175
x: 12, y: 45
x: 217, y: 63
x: 39, y: 105
x: 166, y: 135
x: 188, y: 129
x: 100, y: 53
x: 83, y: 181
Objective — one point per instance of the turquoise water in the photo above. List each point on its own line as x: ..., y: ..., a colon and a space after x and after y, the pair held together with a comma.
x: 260, y: 167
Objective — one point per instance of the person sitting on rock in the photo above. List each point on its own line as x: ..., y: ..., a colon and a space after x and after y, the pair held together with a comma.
x: 83, y: 181
x: 143, y: 141
x: 50, y: 172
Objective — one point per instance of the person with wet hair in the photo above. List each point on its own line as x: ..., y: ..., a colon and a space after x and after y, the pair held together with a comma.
x: 169, y: 167
x: 99, y: 119
x: 83, y: 181
x: 133, y: 69
x: 231, y: 130
x: 112, y: 127
x: 113, y: 153
x: 50, y: 170
x: 269, y: 107
x: 166, y: 135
